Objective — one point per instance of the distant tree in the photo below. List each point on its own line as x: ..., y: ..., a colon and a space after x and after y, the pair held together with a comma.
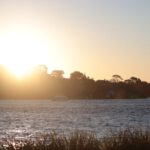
x: 116, y: 78
x: 41, y: 69
x: 128, y: 81
x: 77, y: 75
x: 135, y: 80
x: 57, y: 73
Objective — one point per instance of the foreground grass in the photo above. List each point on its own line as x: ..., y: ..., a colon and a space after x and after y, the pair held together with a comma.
x: 123, y: 140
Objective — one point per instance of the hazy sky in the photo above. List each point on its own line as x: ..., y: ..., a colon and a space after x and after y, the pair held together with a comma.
x: 97, y: 37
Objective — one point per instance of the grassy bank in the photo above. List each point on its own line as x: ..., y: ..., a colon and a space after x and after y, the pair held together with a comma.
x: 123, y: 140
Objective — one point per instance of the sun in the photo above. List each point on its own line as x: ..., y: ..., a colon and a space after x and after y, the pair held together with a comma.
x: 20, y: 70
x: 21, y: 51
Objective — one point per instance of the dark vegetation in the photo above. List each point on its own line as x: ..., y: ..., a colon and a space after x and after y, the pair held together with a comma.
x: 123, y: 140
x: 41, y: 85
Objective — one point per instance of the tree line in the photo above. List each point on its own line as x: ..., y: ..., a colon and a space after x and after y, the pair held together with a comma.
x: 42, y: 85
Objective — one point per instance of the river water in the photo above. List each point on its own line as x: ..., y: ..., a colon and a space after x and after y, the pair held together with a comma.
x: 29, y: 118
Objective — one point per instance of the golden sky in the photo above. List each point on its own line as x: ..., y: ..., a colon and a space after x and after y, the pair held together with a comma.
x: 98, y: 37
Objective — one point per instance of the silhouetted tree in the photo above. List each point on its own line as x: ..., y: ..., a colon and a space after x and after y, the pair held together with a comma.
x: 77, y: 75
x: 135, y: 80
x: 116, y: 78
x: 57, y: 73
x: 128, y: 81
x: 41, y: 69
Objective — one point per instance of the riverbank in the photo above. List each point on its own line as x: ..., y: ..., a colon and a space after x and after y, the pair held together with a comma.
x: 129, y: 139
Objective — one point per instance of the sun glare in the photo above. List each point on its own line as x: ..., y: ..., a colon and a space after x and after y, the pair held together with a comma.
x: 20, y: 52
x: 19, y: 71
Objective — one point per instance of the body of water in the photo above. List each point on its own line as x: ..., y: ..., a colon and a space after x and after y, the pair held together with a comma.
x: 28, y: 118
